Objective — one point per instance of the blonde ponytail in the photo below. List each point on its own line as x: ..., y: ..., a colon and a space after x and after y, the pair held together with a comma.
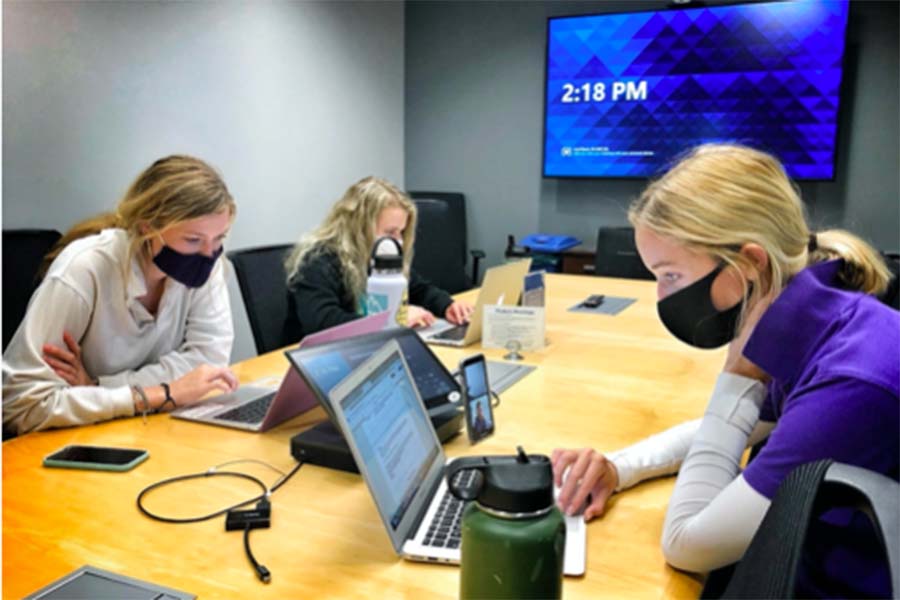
x: 863, y: 270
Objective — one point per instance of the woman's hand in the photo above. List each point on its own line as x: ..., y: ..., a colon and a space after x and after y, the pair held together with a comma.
x: 736, y: 362
x: 66, y: 362
x: 590, y: 474
x: 459, y: 312
x: 193, y: 387
x: 416, y: 316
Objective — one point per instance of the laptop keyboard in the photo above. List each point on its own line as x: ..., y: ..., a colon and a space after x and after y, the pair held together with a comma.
x: 445, y: 530
x: 251, y: 412
x: 457, y: 333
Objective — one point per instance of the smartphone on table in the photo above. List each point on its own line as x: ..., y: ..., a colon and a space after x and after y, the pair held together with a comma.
x: 593, y: 301
x: 533, y: 292
x: 101, y: 458
x: 477, y: 392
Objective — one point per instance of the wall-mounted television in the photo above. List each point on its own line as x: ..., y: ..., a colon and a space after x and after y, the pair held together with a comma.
x: 627, y: 93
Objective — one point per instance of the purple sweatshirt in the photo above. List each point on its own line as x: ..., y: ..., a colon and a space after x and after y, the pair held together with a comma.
x: 834, y: 359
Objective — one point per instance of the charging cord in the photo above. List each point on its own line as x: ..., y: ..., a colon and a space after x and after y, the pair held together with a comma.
x: 236, y: 519
x: 261, y: 571
x: 210, y: 473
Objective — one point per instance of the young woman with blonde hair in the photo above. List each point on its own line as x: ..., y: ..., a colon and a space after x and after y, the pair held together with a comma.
x: 813, y: 366
x: 133, y: 313
x: 328, y: 269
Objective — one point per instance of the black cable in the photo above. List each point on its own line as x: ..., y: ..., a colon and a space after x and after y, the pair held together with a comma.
x: 212, y: 515
x: 261, y: 571
x: 249, y: 460
x: 209, y: 473
x: 284, y: 479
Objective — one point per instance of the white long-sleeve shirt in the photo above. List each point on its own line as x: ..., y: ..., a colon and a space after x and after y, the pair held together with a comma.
x: 86, y: 294
x: 713, y: 513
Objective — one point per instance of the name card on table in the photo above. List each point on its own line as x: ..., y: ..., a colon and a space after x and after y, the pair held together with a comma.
x: 503, y: 325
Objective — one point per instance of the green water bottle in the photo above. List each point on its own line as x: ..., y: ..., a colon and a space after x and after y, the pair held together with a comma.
x: 513, y: 536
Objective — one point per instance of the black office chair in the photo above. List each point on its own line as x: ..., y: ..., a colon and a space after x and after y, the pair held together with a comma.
x: 617, y: 256
x: 442, y: 241
x: 23, y: 252
x: 261, y: 277
x: 769, y: 567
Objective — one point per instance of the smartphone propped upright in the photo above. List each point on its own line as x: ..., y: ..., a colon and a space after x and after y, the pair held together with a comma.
x: 477, y: 391
x: 101, y: 458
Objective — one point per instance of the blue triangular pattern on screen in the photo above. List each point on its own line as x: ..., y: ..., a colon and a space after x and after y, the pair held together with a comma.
x: 824, y: 104
x: 766, y: 74
x: 651, y: 28
x: 594, y: 69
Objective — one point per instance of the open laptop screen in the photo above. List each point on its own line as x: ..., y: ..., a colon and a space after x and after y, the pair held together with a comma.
x: 323, y: 367
x: 393, y: 435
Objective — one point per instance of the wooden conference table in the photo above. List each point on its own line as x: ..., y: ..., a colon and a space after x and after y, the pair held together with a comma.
x: 603, y: 381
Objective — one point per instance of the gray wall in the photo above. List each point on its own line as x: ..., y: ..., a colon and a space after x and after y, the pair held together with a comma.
x: 474, y: 111
x: 291, y: 101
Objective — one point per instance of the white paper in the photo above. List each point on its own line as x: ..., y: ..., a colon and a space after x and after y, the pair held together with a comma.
x: 505, y: 324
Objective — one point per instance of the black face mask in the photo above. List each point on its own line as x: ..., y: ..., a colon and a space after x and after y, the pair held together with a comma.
x: 690, y: 316
x: 190, y: 269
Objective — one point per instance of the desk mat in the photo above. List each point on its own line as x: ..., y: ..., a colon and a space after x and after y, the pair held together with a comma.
x: 611, y: 305
x: 503, y: 375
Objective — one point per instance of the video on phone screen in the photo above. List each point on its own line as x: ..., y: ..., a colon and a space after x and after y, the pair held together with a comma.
x: 480, y: 420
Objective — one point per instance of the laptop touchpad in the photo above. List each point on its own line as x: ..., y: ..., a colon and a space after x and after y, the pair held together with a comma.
x: 217, y: 404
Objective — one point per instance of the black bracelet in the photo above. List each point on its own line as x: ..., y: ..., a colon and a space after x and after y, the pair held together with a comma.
x: 169, y: 398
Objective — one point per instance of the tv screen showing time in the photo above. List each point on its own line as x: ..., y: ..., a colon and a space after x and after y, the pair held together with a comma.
x: 626, y: 94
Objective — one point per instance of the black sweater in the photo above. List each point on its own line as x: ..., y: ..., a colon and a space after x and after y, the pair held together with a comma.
x: 318, y: 298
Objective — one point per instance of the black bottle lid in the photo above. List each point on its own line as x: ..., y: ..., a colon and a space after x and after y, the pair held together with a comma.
x: 516, y: 485
x: 387, y: 255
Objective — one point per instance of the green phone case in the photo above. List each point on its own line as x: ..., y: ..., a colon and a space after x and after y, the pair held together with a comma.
x: 69, y: 464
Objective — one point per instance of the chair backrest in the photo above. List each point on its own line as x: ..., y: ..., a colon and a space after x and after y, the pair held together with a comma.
x: 23, y: 251
x: 261, y: 277
x: 617, y: 256
x: 769, y: 567
x: 441, y: 239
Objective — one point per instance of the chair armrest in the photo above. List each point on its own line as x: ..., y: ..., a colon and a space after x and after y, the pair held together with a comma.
x: 877, y: 497
x: 769, y: 566
x: 477, y: 255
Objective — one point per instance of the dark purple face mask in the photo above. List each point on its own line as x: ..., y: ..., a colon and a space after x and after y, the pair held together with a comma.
x: 191, y: 270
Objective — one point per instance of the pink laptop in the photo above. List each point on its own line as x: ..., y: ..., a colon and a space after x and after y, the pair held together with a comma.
x: 255, y: 408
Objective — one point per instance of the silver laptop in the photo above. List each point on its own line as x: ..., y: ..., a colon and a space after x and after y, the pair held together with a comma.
x: 501, y: 285
x: 385, y: 424
x: 255, y: 408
